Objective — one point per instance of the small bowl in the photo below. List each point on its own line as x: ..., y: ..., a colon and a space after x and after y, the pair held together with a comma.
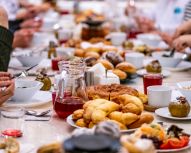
x: 169, y: 62
x: 25, y: 89
x: 29, y: 61
x: 186, y: 92
x: 152, y: 40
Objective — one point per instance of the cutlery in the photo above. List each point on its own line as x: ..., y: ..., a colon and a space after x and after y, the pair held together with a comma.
x: 171, y: 53
x: 24, y: 73
x: 37, y: 114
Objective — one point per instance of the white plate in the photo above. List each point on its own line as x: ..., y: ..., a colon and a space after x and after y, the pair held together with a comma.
x: 70, y: 121
x: 183, y: 66
x: 164, y: 112
x: 142, y: 72
x: 174, y: 150
x: 40, y: 98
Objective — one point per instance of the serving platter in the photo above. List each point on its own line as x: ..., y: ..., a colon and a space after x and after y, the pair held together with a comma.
x: 142, y: 72
x: 183, y: 66
x: 70, y: 121
x: 164, y: 112
x: 40, y: 98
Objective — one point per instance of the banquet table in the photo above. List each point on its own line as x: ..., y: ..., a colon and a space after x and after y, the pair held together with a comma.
x: 37, y: 133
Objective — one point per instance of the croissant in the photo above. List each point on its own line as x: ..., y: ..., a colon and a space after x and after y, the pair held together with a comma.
x: 131, y: 104
x: 98, y: 116
x: 124, y: 118
x: 121, y: 126
x: 144, y: 118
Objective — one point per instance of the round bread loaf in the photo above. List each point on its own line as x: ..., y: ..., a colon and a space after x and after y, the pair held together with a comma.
x: 126, y: 67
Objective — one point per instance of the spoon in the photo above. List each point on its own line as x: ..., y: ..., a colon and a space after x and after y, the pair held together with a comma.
x: 171, y: 53
x: 37, y: 114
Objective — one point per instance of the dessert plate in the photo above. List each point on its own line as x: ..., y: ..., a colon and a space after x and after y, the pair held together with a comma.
x: 164, y: 112
x: 142, y: 72
x: 183, y: 66
x: 70, y: 121
x: 40, y: 98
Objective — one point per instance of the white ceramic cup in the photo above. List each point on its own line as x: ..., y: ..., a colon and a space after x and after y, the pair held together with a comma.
x: 135, y: 58
x: 159, y: 96
x: 64, y: 34
x: 117, y: 38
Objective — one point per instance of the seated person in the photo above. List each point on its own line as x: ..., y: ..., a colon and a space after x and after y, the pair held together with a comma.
x: 6, y: 40
x: 7, y: 87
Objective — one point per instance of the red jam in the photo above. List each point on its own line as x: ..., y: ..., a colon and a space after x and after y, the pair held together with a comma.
x: 67, y: 106
x: 12, y: 133
x: 151, y: 80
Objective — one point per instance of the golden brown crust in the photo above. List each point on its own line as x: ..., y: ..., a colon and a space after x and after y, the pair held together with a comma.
x: 92, y: 54
x: 126, y: 67
x: 106, y: 64
x: 50, y: 148
x: 122, y: 75
x: 77, y: 114
x: 81, y: 123
x: 144, y: 118
x: 79, y: 52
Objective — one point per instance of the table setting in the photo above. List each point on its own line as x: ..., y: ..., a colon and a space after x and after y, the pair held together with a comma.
x: 83, y: 85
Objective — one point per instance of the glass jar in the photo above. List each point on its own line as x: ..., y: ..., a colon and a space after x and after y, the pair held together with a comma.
x: 71, y: 93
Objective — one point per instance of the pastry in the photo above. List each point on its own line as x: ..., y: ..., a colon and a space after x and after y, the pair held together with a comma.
x: 81, y: 123
x: 106, y: 64
x: 51, y: 148
x: 11, y: 145
x: 79, y: 53
x: 90, y: 61
x: 121, y: 126
x: 92, y: 54
x: 154, y: 67
x: 122, y: 75
x: 113, y: 57
x: 77, y: 114
x: 124, y: 118
x: 144, y: 118
x: 126, y: 67
x: 98, y: 115
x: 130, y: 104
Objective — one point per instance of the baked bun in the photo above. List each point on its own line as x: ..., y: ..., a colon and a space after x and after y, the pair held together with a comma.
x: 50, y: 148
x: 78, y: 114
x: 126, y: 67
x: 121, y: 74
x: 144, y: 118
x: 11, y: 145
x: 92, y: 54
x: 106, y: 64
x: 79, y: 52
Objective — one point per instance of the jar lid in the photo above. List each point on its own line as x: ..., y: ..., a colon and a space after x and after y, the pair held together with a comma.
x: 91, y: 143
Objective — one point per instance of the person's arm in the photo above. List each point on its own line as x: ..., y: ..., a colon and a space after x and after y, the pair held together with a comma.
x: 6, y: 40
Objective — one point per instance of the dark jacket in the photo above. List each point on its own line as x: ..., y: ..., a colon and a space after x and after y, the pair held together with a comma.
x: 6, y: 40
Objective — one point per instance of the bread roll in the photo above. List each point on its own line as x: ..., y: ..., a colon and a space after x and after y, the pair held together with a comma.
x: 77, y: 114
x: 130, y: 104
x: 124, y: 118
x: 50, y: 148
x: 144, y: 118
x: 121, y: 74
x: 12, y: 145
x: 79, y: 52
x: 98, y: 116
x: 121, y: 126
x: 92, y: 54
x: 106, y: 64
x: 126, y: 67
x: 81, y: 123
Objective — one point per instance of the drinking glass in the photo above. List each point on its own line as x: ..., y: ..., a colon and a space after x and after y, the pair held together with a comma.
x: 11, y: 121
x: 151, y: 80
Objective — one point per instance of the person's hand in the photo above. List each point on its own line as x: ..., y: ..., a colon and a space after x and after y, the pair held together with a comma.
x: 145, y: 24
x: 185, y: 28
x: 7, y: 87
x: 23, y: 38
x: 25, y: 14
x: 31, y: 23
x: 182, y: 42
x: 3, y: 18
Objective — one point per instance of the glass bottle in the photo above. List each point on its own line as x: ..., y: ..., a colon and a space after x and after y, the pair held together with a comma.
x: 71, y: 87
